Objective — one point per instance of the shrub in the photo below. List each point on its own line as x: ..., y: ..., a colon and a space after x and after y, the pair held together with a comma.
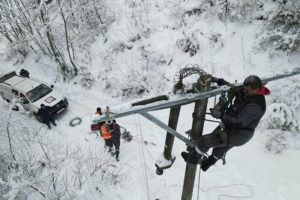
x: 282, y: 31
x: 276, y: 143
x: 279, y: 116
x: 188, y: 45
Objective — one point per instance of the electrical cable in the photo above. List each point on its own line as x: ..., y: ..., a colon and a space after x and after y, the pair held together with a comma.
x: 143, y: 159
x: 220, y: 196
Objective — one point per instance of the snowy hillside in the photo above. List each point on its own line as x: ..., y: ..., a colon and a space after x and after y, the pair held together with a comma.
x: 127, y: 50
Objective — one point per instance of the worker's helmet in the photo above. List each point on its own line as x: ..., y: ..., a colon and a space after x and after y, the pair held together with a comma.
x: 253, y: 81
x: 109, y: 122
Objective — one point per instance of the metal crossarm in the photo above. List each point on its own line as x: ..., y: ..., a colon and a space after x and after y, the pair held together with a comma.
x: 168, y: 129
x: 173, y: 101
x: 296, y: 71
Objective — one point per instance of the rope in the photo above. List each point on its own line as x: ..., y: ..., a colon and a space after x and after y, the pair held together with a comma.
x: 230, y: 196
x: 75, y: 121
x: 198, y: 190
x: 143, y: 159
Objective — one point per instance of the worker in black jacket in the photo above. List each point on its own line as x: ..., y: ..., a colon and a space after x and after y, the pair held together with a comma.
x: 46, y: 116
x: 239, y: 123
x: 116, y: 136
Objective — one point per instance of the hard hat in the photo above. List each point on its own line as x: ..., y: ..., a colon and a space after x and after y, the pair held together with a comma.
x: 109, y: 121
x: 253, y: 81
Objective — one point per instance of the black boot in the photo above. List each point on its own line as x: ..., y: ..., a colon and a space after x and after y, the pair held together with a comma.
x: 48, y: 124
x: 211, y: 160
x: 193, y: 157
x: 117, y: 156
x: 185, y: 156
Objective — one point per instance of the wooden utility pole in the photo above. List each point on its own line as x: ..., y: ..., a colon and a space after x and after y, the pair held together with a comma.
x: 173, y: 121
x: 197, y: 129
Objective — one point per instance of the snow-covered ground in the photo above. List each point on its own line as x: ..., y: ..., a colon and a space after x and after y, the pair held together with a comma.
x: 251, y: 171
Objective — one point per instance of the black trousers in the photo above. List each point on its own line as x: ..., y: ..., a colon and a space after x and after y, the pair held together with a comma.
x: 108, y: 143
x: 221, y: 141
x: 47, y: 122
x: 116, y: 143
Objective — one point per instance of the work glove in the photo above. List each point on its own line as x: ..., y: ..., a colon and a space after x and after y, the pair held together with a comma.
x: 220, y: 81
x: 214, y: 79
x: 215, y: 113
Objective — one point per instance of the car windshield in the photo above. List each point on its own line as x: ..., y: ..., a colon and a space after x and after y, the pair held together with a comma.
x: 38, y: 92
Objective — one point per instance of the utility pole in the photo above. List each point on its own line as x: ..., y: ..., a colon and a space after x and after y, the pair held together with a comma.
x: 173, y: 121
x: 197, y: 129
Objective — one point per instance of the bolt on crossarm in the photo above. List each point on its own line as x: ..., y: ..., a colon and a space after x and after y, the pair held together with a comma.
x: 203, y: 84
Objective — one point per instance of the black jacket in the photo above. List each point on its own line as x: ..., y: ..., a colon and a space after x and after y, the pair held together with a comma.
x: 116, y: 134
x: 45, y: 114
x: 244, y: 114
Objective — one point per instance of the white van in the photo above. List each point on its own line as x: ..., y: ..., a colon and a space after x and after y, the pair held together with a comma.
x: 31, y: 93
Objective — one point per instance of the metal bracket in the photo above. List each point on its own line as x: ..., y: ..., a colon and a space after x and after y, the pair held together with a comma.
x: 167, y: 128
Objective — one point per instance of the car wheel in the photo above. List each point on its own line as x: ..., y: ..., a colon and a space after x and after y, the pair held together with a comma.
x: 16, y: 108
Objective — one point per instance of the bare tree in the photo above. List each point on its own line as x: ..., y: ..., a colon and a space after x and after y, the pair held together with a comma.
x: 35, y: 26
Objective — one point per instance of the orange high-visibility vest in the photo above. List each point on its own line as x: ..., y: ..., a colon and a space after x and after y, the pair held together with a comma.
x: 105, y: 133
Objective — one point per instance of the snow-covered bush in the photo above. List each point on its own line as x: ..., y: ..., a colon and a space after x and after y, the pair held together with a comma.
x: 216, y: 41
x: 283, y: 27
x: 225, y: 10
x: 133, y: 89
x: 279, y: 116
x: 138, y: 82
x: 276, y: 142
x: 281, y: 120
x: 45, y: 166
x: 154, y: 59
x: 138, y: 75
x: 286, y: 91
x: 189, y: 45
x: 86, y: 78
x: 57, y: 29
x: 126, y: 136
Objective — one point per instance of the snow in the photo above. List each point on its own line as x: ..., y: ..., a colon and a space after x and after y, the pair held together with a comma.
x: 251, y: 171
x: 162, y: 162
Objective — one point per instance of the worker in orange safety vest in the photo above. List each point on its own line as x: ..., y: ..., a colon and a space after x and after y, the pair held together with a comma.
x: 107, y: 135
